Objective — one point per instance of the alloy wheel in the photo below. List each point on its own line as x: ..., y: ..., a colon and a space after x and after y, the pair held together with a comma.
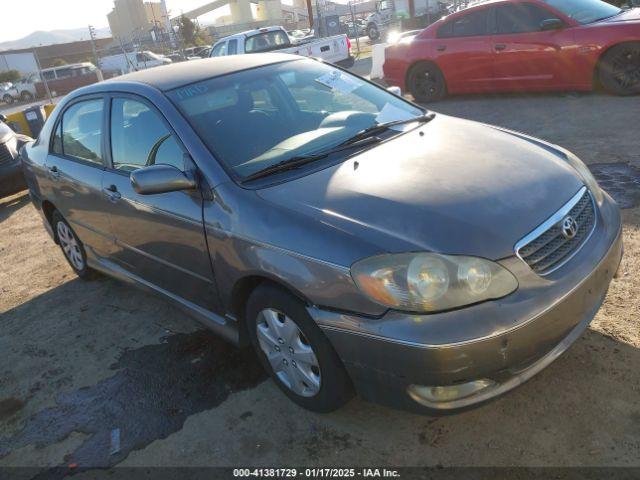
x: 289, y: 353
x: 70, y: 245
x: 426, y: 83
x: 626, y: 68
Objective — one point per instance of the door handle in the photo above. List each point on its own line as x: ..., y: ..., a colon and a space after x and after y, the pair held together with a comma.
x: 54, y: 172
x: 499, y: 47
x: 441, y: 48
x: 112, y: 192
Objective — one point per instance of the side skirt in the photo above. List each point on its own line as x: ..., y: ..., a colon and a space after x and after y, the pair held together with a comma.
x: 225, y: 328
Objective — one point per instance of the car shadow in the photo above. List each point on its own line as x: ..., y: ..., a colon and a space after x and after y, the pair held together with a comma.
x: 125, y: 369
x: 12, y: 203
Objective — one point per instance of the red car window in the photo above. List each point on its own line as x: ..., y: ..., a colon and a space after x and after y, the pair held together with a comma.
x: 472, y: 24
x: 521, y: 18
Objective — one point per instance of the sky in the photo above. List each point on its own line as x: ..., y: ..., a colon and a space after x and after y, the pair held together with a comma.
x: 20, y: 18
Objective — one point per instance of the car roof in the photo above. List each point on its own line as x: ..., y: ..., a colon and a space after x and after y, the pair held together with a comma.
x: 176, y: 75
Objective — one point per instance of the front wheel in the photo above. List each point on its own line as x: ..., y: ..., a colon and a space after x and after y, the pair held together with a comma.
x: 8, y: 99
x: 426, y: 83
x: 71, y: 246
x: 620, y: 69
x: 295, y: 352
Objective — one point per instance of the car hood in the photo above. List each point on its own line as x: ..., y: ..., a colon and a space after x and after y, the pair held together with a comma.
x: 5, y: 133
x: 461, y: 188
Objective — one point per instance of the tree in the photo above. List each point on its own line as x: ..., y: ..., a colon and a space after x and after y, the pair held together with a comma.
x: 188, y: 30
x: 10, y: 76
x: 59, y: 62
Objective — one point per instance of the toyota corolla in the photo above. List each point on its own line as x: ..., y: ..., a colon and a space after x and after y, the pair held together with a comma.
x: 359, y: 242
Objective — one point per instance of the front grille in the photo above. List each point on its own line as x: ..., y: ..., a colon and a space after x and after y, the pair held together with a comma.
x: 550, y: 249
x: 5, y: 154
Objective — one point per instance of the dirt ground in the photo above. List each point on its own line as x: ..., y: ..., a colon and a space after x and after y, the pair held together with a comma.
x: 85, y: 364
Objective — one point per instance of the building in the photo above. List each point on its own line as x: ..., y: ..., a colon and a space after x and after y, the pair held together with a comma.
x: 23, y: 60
x: 135, y: 20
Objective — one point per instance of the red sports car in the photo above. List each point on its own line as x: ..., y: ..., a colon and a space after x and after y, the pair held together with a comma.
x: 521, y: 45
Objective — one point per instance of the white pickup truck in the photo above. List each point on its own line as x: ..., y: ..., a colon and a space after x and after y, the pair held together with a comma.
x: 335, y: 49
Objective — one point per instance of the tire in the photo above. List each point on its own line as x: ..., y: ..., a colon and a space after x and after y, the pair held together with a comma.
x: 26, y: 96
x: 373, y: 32
x: 295, y: 352
x: 426, y: 83
x: 71, y: 246
x: 8, y: 99
x: 619, y: 70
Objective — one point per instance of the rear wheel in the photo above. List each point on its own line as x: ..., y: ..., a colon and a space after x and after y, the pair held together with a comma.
x: 71, y: 246
x: 426, y: 83
x: 26, y: 96
x: 295, y: 352
x: 620, y: 69
x: 373, y: 32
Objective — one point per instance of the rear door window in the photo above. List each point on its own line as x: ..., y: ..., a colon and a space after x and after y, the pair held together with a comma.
x: 82, y: 131
x: 266, y: 41
x: 472, y: 24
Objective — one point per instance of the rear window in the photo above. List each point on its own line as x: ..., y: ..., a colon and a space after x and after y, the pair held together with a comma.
x: 266, y: 41
x: 472, y: 24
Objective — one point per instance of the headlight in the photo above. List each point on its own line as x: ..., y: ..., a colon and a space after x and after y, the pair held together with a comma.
x: 586, y: 175
x: 429, y: 282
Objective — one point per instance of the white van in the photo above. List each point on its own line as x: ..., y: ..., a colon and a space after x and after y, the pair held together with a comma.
x: 131, y: 61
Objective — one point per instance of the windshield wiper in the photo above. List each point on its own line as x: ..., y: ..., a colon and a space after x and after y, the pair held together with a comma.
x: 381, y: 127
x: 300, y: 160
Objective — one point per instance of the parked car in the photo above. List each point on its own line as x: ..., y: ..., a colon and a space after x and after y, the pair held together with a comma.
x: 11, y: 178
x: 521, y: 45
x: 23, y: 90
x: 131, y: 61
x: 335, y: 49
x: 201, y: 51
x: 6, y: 92
x: 60, y: 80
x: 353, y: 238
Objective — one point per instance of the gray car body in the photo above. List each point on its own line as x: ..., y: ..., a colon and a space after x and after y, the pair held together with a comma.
x: 451, y: 186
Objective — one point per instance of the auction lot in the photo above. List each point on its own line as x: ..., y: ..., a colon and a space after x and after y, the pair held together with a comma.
x: 86, y: 362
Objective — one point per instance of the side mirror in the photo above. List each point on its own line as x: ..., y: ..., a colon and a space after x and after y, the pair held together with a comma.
x: 3, y: 118
x: 551, y: 24
x: 160, y: 179
x: 395, y: 90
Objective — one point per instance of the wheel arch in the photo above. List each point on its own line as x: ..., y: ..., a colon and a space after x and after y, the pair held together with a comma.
x: 415, y: 63
x: 595, y: 78
x: 421, y: 62
x: 48, y: 208
x: 242, y: 290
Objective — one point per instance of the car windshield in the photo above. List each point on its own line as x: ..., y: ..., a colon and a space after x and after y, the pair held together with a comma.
x: 584, y: 11
x: 257, y: 118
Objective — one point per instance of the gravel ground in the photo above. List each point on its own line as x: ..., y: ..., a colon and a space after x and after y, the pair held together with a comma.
x: 84, y: 361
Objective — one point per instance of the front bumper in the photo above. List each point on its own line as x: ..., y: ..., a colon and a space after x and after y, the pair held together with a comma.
x: 506, y: 341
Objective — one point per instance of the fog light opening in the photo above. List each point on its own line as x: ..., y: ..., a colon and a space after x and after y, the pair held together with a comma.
x: 448, y: 393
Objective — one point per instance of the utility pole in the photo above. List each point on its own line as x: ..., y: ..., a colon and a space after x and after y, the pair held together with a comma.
x: 92, y: 36
x: 44, y: 80
x: 310, y: 13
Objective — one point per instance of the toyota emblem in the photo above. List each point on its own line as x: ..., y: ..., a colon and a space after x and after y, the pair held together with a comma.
x: 569, y: 227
